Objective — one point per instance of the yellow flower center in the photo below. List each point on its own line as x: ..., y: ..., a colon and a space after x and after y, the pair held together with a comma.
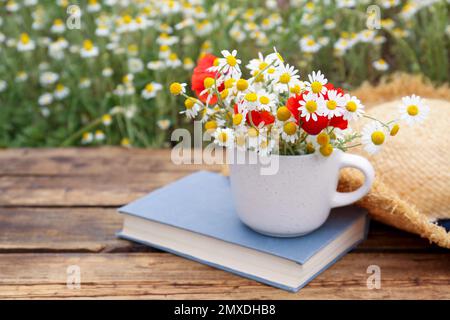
x: 310, y: 148
x: 164, y: 48
x: 283, y: 113
x: 296, y: 89
x: 252, y: 132
x: 310, y: 42
x: 251, y: 97
x: 173, y: 57
x: 127, y: 19
x: 331, y: 104
x: 88, y: 45
x: 394, y: 129
x: 377, y: 137
x: 263, y: 65
x: 208, y: 82
x: 412, y: 110
x: 311, y: 106
x: 59, y: 87
x: 211, y: 125
x: 290, y: 128
x: 149, y: 87
x: 323, y: 139
x: 106, y: 118
x: 285, y: 78
x: 231, y: 61
x: 264, y: 100
x: 222, y: 137
x: 326, y: 150
x: 24, y: 38
x: 175, y: 88
x: 237, y: 119
x: 242, y: 84
x: 224, y: 93
x: 351, y: 106
x: 189, y: 103
x: 229, y: 83
x: 316, y: 87
x: 58, y: 22
x: 270, y: 70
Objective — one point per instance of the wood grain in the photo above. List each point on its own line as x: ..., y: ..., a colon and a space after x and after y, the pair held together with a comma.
x: 164, y: 276
x: 93, y: 230
x: 58, y: 208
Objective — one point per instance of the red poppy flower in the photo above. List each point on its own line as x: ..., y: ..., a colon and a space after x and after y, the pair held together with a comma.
x: 261, y: 116
x: 339, y: 122
x: 200, y: 74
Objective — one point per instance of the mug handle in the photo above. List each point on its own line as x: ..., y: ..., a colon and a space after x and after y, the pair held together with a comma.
x: 350, y: 160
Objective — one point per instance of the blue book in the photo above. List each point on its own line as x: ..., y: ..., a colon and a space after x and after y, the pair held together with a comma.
x: 194, y: 218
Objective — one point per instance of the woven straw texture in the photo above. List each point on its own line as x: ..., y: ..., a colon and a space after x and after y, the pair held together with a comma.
x: 412, y: 187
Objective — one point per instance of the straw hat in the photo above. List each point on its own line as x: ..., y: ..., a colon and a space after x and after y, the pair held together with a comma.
x: 412, y: 187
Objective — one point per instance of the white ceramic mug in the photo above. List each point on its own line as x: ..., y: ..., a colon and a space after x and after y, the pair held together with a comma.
x: 298, y: 198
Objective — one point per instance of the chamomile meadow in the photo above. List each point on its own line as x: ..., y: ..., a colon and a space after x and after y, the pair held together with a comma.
x: 274, y: 111
x: 59, y: 79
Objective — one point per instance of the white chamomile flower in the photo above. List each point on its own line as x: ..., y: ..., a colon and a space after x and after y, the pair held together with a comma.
x: 285, y: 77
x: 275, y: 58
x: 316, y: 83
x: 61, y: 91
x: 380, y: 65
x: 250, y: 100
x: 311, y: 105
x: 93, y: 6
x: 87, y: 138
x: 224, y: 137
x: 99, y: 135
x: 334, y: 105
x: 88, y: 50
x: 413, y: 110
x: 353, y: 108
x: 58, y: 26
x: 45, y: 99
x: 289, y: 131
x: 373, y: 137
x: 25, y: 43
x: 258, y: 65
x: 229, y: 65
x: 193, y: 106
x: 150, y: 90
x: 267, y: 101
x: 48, y: 78
x: 308, y: 44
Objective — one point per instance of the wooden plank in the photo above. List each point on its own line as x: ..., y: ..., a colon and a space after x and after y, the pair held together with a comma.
x: 93, y: 230
x: 105, y: 161
x: 164, y: 276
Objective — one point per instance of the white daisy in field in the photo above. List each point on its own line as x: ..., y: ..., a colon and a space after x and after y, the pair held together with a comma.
x: 88, y: 50
x: 12, y: 6
x: 173, y: 61
x: 102, y: 30
x: 61, y: 91
x: 99, y: 135
x: 166, y: 39
x: 188, y: 63
x: 93, y: 6
x: 373, y: 137
x: 250, y: 100
x: 353, y: 108
x: 107, y: 72
x: 48, y: 78
x: 30, y: 3
x: 258, y: 65
x: 275, y: 57
x: 413, y: 109
x: 311, y: 105
x: 163, y: 124
x: 334, y: 105
x: 85, y: 83
x: 380, y: 65
x: 3, y: 85
x: 21, y: 76
x: 58, y: 26
x: 45, y: 99
x: 329, y: 24
x: 87, y: 138
x: 193, y: 106
x: 224, y: 137
x: 289, y: 131
x: 316, y: 83
x: 25, y: 43
x: 106, y: 120
x: 308, y: 44
x: 285, y: 77
x: 367, y: 35
x: 135, y: 65
x: 228, y: 65
x: 150, y: 90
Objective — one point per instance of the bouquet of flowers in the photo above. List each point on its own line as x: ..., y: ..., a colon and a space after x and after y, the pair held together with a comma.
x: 274, y: 111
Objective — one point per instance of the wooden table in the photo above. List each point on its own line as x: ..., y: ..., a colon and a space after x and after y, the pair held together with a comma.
x: 58, y: 209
